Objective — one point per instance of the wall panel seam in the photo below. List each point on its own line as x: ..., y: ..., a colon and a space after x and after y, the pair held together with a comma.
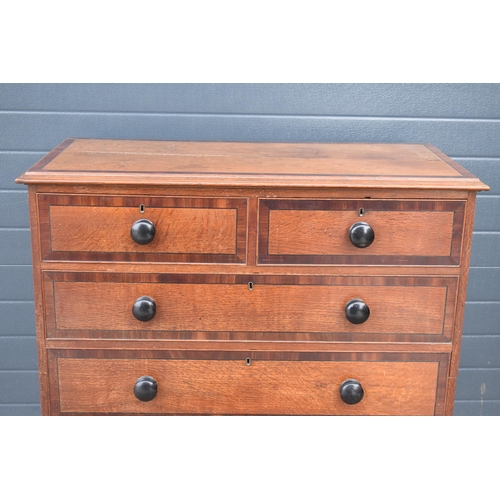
x: 18, y: 371
x: 479, y: 369
x: 17, y: 336
x: 253, y: 115
x: 19, y: 404
x: 479, y: 401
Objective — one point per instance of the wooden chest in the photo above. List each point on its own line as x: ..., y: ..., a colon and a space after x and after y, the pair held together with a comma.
x: 245, y: 278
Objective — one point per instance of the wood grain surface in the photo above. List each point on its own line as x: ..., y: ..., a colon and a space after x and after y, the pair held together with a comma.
x: 187, y: 229
x: 460, y: 309
x: 258, y: 386
x: 250, y: 269
x: 38, y: 289
x: 251, y: 164
x: 84, y: 304
x: 317, y: 232
x: 178, y: 230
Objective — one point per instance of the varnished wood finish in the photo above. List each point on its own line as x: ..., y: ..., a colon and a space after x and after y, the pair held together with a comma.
x: 460, y: 310
x: 90, y: 228
x: 317, y: 232
x: 229, y: 214
x: 263, y: 191
x: 83, y: 304
x: 223, y: 268
x: 251, y: 164
x: 246, y: 344
x: 39, y: 302
x: 48, y: 158
x: 269, y: 384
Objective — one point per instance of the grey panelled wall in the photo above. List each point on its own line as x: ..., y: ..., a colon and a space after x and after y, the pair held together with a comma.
x: 463, y: 120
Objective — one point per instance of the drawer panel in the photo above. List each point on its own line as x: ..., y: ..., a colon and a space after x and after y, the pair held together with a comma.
x: 304, y: 232
x: 392, y: 383
x: 98, y: 228
x: 249, y: 307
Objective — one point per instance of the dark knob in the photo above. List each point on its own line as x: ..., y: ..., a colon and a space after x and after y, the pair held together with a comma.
x: 144, y: 309
x: 356, y: 311
x: 143, y: 231
x: 351, y: 392
x: 145, y: 388
x: 361, y: 234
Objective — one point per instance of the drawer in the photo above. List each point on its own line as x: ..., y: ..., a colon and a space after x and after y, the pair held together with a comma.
x: 239, y: 307
x: 143, y: 229
x: 360, y: 232
x: 253, y: 383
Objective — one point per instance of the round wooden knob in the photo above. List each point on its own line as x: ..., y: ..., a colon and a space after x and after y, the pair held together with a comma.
x: 143, y: 231
x: 144, y: 309
x: 145, y: 388
x: 356, y: 311
x: 361, y: 234
x: 351, y: 392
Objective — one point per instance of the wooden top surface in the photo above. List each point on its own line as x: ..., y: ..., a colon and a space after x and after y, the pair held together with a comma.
x: 246, y: 164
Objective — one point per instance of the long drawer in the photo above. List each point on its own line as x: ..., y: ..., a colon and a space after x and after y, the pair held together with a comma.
x: 168, y: 306
x: 149, y: 382
x: 143, y: 229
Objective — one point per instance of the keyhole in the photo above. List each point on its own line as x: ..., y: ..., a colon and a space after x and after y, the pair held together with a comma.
x: 361, y: 212
x: 250, y: 285
x: 141, y: 208
x: 248, y: 361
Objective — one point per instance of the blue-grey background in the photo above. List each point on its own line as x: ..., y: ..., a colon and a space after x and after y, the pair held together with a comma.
x: 463, y: 120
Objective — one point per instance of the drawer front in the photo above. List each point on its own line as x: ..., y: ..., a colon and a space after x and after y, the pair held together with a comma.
x: 222, y: 307
x: 98, y: 228
x: 391, y: 383
x: 316, y: 232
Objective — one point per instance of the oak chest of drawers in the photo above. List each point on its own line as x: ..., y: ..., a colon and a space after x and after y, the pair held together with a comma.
x: 245, y: 278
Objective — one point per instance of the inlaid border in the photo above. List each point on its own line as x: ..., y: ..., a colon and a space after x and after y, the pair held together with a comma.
x: 442, y: 359
x: 450, y: 283
x: 453, y: 259
x: 45, y: 201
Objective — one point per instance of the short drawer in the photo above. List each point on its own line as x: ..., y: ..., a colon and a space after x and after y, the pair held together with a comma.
x: 248, y: 307
x: 363, y: 232
x: 142, y: 382
x: 139, y: 229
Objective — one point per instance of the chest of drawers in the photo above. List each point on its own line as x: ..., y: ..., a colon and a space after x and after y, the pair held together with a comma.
x: 245, y: 278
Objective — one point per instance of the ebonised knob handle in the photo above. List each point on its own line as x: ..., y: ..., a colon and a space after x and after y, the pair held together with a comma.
x: 143, y: 231
x: 145, y: 388
x: 351, y: 392
x: 361, y: 234
x: 144, y: 309
x: 356, y: 311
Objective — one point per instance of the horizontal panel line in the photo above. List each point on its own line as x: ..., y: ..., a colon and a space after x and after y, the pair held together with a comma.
x: 482, y: 336
x: 18, y: 371
x: 19, y: 404
x: 461, y: 158
x: 484, y: 267
x: 19, y: 407
x: 482, y: 302
x: 477, y: 400
x: 480, y: 369
x: 17, y: 336
x: 488, y: 195
x: 17, y: 301
x: 13, y: 190
x: 15, y: 265
x: 486, y: 232
x: 22, y: 152
x: 251, y: 115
